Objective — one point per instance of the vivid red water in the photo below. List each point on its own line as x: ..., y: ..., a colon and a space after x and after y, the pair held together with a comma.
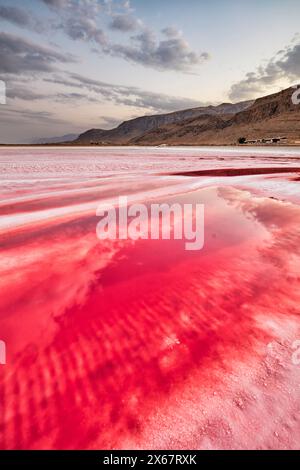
x: 122, y: 344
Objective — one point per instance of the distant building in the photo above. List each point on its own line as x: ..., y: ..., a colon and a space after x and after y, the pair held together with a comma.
x: 267, y: 140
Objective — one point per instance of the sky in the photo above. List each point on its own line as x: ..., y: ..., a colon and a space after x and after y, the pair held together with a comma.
x: 72, y: 65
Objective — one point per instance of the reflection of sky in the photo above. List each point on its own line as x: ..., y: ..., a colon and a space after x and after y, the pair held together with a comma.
x: 94, y: 315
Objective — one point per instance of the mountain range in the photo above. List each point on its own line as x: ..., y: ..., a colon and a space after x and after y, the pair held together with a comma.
x: 271, y: 116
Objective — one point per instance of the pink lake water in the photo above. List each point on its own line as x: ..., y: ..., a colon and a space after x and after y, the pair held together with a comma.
x: 142, y: 344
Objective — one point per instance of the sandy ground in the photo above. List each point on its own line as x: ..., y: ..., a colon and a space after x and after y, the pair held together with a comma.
x: 142, y: 344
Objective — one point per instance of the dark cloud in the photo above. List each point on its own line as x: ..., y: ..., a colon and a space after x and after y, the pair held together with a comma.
x: 19, y: 55
x: 284, y: 65
x: 289, y: 63
x: 20, y: 17
x: 57, y: 3
x: 15, y: 15
x: 125, y: 23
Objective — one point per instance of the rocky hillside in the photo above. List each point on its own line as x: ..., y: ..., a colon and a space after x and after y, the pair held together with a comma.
x: 134, y: 128
x: 271, y: 116
x: 266, y: 108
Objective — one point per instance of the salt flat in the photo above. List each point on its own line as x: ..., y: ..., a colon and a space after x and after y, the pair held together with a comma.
x: 122, y: 344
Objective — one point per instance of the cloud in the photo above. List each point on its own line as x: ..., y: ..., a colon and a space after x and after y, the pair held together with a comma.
x: 125, y: 23
x: 16, y: 92
x: 80, y: 21
x: 173, y: 53
x: 19, y: 55
x: 77, y: 19
x: 20, y: 17
x: 74, y: 88
x: 15, y: 15
x: 89, y: 8
x: 83, y: 29
x: 98, y: 86
x: 290, y: 62
x: 27, y: 114
x: 56, y: 3
x: 284, y: 66
x: 72, y: 98
x: 171, y: 32
x: 157, y: 102
x: 130, y: 96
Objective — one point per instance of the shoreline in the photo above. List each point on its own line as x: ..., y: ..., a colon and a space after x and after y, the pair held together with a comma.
x: 70, y: 145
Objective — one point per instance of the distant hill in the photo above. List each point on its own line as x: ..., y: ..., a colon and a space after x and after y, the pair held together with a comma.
x: 58, y: 140
x: 270, y: 116
x: 133, y: 129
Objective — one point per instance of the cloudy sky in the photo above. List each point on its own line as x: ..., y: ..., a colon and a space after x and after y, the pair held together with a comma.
x: 71, y: 65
